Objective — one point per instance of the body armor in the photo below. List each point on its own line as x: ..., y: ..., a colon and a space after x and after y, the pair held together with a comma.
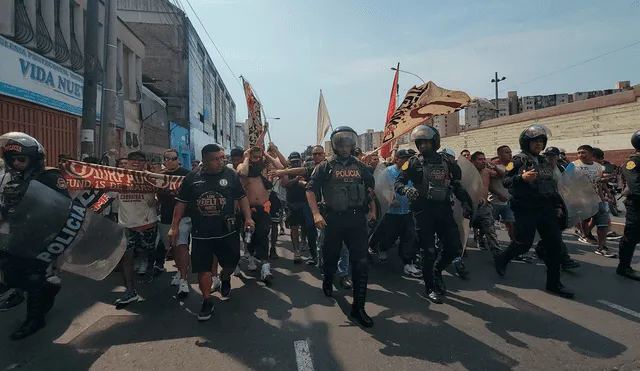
x: 436, y: 181
x: 345, y: 188
x: 545, y: 182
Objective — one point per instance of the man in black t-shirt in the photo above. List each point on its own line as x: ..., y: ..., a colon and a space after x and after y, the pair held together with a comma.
x: 299, y: 215
x: 208, y: 194
x: 167, y: 200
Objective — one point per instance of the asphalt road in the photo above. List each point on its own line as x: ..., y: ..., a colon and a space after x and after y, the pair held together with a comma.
x: 486, y: 323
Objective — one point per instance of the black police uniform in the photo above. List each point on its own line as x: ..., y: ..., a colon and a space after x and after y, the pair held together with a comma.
x: 631, y: 237
x: 535, y: 206
x: 29, y: 274
x: 210, y: 199
x: 436, y: 178
x: 344, y: 185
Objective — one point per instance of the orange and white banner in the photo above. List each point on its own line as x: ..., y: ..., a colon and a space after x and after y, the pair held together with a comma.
x: 84, y: 176
x: 254, y: 130
x: 421, y: 104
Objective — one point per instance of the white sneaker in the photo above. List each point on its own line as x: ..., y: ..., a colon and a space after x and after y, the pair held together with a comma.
x: 297, y: 258
x: 142, y: 270
x: 253, y: 265
x: 411, y: 270
x: 237, y: 272
x: 215, y: 284
x: 265, y: 274
x: 175, y: 281
x: 183, y: 288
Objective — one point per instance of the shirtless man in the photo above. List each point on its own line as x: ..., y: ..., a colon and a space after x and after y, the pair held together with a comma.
x: 253, y: 172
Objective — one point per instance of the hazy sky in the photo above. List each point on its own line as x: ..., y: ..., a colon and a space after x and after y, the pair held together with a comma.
x: 290, y: 49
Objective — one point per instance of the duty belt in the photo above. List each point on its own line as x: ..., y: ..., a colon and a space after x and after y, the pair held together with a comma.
x: 351, y: 211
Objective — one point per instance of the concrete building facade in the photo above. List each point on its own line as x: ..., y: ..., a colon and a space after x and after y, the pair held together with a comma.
x: 42, y: 60
x: 180, y: 71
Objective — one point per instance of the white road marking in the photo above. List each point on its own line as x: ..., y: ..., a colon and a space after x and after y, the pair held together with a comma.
x: 620, y: 308
x: 303, y: 355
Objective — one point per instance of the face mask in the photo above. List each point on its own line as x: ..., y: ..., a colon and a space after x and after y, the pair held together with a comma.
x: 428, y: 152
x: 255, y: 169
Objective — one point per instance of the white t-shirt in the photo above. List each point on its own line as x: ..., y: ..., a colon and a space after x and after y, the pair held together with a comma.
x: 134, y: 210
x: 593, y: 171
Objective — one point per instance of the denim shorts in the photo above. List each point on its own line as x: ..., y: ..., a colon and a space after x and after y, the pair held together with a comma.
x: 503, y: 213
x: 183, y: 232
x: 602, y: 219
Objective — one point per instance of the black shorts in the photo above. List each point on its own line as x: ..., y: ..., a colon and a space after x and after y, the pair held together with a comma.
x: 299, y: 214
x: 277, y: 209
x: 226, y: 249
x: 295, y: 217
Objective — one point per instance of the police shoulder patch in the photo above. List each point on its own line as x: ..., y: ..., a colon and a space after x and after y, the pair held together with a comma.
x: 630, y: 165
x: 61, y: 183
x: 509, y: 166
x: 405, y: 166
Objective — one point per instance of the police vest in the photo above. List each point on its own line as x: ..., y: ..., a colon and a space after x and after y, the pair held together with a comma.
x: 545, y: 183
x: 345, y: 188
x: 436, y: 181
x: 632, y: 179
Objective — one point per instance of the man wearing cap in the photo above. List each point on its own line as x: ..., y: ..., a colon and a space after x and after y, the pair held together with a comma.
x: 299, y: 215
x: 398, y: 222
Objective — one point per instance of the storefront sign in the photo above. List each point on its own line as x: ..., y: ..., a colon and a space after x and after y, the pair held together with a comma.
x: 29, y: 76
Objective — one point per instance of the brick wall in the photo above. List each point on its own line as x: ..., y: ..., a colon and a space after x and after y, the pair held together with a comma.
x: 606, y: 122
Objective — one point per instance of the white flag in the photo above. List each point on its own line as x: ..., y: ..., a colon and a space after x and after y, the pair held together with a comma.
x: 324, y: 121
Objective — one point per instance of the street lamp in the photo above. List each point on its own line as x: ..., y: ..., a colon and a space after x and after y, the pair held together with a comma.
x: 497, y: 80
x: 272, y: 118
x: 407, y: 72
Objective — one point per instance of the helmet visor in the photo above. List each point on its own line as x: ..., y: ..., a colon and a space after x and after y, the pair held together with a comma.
x: 423, y: 132
x: 537, y: 130
x: 343, y: 142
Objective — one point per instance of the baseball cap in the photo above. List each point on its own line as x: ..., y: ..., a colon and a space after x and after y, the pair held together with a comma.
x: 552, y: 151
x: 403, y: 153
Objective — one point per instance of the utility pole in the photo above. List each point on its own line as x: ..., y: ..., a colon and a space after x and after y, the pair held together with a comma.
x: 90, y: 87
x: 109, y: 93
x: 497, y: 80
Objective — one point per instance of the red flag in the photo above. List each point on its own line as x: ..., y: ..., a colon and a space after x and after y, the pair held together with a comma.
x: 385, y: 150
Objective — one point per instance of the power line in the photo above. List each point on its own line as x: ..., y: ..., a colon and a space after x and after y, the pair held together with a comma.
x: 214, y: 44
x: 573, y: 65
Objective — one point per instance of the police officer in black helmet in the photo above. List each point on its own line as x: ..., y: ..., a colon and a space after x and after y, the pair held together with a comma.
x: 536, y: 204
x: 24, y: 163
x: 631, y: 173
x: 436, y: 178
x: 345, y: 185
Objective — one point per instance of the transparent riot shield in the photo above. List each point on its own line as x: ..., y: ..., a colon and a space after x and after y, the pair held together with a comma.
x: 471, y: 180
x: 384, y: 189
x: 579, y: 195
x: 35, y: 221
x: 47, y: 226
x: 472, y: 183
x: 97, y: 249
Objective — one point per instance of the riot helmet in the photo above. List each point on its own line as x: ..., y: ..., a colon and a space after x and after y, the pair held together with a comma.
x: 343, y: 141
x: 533, y: 132
x: 19, y: 146
x: 423, y: 134
x: 635, y: 140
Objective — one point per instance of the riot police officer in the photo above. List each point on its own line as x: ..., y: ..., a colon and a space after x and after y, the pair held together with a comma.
x: 631, y: 237
x: 345, y: 184
x: 436, y: 178
x: 536, y: 204
x: 24, y: 163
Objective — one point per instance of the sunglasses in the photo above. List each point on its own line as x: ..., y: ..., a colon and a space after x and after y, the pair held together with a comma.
x: 19, y: 158
x: 170, y: 158
x: 317, y: 153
